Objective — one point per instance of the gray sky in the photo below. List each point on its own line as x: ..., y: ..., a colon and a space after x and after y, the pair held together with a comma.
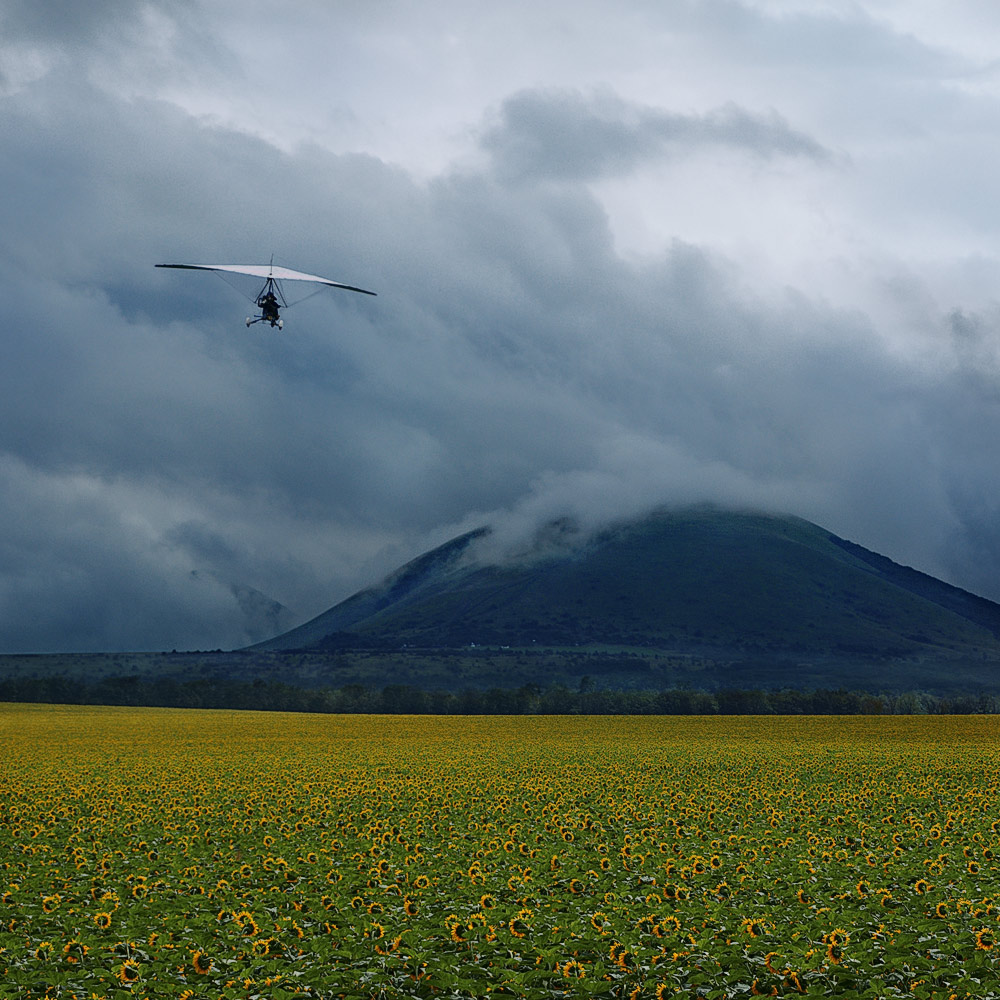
x: 626, y: 253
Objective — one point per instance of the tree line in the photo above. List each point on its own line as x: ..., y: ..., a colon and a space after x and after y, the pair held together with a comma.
x: 529, y: 699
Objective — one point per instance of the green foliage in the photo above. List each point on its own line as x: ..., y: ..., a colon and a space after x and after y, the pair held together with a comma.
x: 528, y: 699
x: 150, y: 853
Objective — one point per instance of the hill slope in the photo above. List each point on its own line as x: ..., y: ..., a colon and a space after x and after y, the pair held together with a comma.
x: 733, y: 587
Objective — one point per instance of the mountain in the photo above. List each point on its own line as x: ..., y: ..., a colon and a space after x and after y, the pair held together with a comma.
x: 747, y: 597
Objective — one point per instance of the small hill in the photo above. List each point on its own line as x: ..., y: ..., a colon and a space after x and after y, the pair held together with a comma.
x: 717, y: 596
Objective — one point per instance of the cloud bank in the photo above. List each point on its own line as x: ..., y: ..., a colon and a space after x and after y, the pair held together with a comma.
x: 568, y: 136
x: 170, y: 479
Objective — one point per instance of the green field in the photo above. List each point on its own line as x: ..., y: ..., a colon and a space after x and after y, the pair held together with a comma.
x: 155, y: 853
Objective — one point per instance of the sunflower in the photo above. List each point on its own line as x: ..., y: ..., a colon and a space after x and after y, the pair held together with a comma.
x: 921, y: 886
x: 835, y: 953
x: 941, y: 910
x: 202, y: 963
x: 793, y: 978
x: 421, y: 882
x: 487, y: 902
x: 985, y: 940
x: 574, y: 970
x: 51, y: 903
x: 102, y: 920
x: 247, y: 923
x: 663, y: 991
x: 262, y: 946
x: 75, y: 951
x: 518, y: 927
x: 626, y: 961
x: 598, y: 922
x: 129, y: 971
x: 391, y: 947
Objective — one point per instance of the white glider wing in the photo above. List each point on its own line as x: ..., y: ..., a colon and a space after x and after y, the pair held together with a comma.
x: 268, y: 271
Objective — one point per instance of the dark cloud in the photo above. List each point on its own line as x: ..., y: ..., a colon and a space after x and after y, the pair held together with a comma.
x: 172, y: 479
x: 49, y: 21
x: 565, y: 135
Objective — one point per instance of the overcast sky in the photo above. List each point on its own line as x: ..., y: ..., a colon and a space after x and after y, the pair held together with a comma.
x: 626, y: 254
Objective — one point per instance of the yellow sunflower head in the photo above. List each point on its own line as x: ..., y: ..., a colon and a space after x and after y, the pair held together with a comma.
x: 129, y: 971
x: 75, y: 951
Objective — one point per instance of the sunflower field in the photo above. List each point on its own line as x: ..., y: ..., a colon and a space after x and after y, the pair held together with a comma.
x: 171, y: 853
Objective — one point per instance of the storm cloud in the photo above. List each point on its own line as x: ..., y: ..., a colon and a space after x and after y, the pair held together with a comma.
x: 567, y: 136
x: 600, y: 290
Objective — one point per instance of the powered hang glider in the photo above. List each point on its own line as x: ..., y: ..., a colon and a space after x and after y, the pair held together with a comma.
x: 270, y: 299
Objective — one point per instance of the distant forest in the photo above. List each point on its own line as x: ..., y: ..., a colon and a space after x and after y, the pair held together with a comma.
x: 529, y: 699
